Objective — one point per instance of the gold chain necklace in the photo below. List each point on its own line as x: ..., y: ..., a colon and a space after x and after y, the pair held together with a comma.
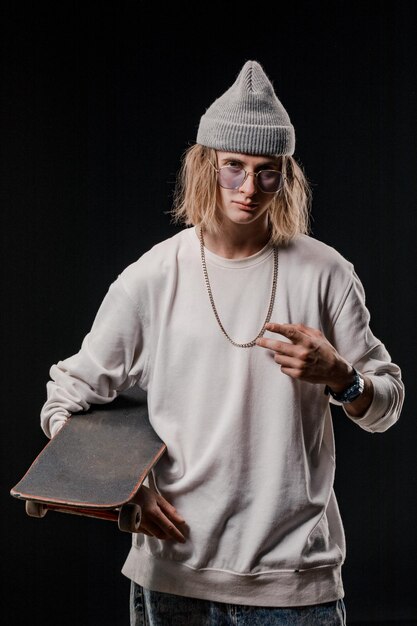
x: 249, y: 344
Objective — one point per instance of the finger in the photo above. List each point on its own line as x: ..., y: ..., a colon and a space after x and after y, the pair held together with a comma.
x: 172, y: 532
x: 290, y: 331
x: 160, y: 530
x: 311, y: 332
x: 169, y: 509
x: 153, y: 502
x: 288, y: 362
x: 151, y: 529
x: 167, y: 526
x: 292, y: 372
x: 283, y: 347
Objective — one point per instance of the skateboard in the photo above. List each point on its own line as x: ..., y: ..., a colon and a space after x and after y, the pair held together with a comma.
x: 96, y: 464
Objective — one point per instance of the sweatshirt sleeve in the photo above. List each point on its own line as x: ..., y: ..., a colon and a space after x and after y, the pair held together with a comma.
x: 112, y: 358
x: 354, y: 340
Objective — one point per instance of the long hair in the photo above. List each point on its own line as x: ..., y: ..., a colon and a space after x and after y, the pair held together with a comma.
x: 195, y: 196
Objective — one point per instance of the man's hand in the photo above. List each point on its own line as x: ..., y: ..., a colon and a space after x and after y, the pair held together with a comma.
x: 159, y: 517
x: 308, y: 356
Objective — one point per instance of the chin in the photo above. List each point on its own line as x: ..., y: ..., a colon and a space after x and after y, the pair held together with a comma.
x: 244, y: 217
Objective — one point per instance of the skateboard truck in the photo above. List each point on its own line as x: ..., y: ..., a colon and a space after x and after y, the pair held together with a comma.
x: 128, y: 516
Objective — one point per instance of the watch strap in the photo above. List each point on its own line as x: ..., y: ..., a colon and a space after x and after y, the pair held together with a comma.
x: 351, y: 392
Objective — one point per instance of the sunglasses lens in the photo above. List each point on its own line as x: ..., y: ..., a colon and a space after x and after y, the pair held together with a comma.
x: 270, y: 181
x: 231, y: 177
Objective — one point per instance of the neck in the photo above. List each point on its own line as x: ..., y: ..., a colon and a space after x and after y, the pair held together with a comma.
x: 237, y: 241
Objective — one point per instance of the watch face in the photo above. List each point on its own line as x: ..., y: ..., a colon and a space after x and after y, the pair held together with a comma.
x: 349, y: 397
x: 351, y: 393
x: 354, y: 391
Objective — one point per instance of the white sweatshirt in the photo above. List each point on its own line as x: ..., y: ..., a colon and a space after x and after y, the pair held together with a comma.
x: 251, y: 460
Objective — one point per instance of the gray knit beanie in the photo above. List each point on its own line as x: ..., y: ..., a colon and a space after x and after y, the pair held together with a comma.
x: 248, y: 118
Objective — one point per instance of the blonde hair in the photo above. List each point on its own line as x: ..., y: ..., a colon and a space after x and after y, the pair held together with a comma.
x: 195, y: 196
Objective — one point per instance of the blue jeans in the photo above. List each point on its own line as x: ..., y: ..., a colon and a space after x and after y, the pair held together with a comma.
x: 153, y: 608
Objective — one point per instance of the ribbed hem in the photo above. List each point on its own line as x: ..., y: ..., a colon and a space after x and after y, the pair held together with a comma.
x: 246, y: 138
x: 277, y: 588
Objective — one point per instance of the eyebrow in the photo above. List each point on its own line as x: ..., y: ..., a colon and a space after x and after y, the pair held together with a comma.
x: 232, y: 158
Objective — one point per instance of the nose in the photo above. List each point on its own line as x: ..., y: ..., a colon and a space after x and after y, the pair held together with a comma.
x: 249, y: 184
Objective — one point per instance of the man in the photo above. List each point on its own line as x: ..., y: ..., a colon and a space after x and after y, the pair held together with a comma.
x: 241, y: 328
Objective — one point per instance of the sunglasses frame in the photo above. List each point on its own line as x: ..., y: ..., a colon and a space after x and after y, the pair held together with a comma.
x: 255, y: 174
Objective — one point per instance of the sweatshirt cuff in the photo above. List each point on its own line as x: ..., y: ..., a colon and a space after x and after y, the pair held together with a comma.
x: 56, y: 423
x: 379, y: 406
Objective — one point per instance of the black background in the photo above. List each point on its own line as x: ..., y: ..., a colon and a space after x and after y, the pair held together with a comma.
x: 99, y: 101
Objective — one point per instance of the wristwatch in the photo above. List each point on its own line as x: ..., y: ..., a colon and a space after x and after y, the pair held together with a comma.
x: 350, y: 393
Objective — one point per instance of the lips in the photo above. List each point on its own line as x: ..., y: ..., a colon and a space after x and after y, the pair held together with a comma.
x: 245, y: 207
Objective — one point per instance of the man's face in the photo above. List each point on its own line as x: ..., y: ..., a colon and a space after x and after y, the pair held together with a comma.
x: 247, y: 203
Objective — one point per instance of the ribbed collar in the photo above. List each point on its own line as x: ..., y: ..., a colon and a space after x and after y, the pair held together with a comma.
x: 211, y: 257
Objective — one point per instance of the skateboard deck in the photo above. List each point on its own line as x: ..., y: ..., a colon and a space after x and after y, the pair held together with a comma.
x: 96, y: 463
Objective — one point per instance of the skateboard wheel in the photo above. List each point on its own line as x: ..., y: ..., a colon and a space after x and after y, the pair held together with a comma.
x: 35, y: 509
x: 129, y: 518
